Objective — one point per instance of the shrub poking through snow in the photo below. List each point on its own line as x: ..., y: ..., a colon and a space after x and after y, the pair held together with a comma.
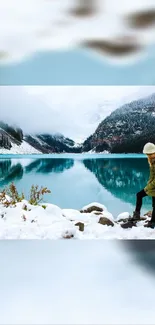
x: 25, y: 207
x: 36, y: 194
x: 44, y: 206
x: 10, y: 196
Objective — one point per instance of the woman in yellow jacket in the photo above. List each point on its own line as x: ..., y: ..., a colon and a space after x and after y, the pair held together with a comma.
x: 149, y: 190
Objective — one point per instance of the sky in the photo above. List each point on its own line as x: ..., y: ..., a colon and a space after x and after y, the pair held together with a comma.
x: 74, y: 111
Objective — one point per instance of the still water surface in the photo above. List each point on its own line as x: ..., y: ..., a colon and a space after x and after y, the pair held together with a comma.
x: 77, y: 180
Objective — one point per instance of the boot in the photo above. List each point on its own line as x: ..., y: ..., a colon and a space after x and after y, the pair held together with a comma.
x: 150, y: 224
x: 136, y: 216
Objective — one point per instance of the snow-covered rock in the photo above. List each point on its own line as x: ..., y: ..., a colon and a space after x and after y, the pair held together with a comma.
x: 95, y: 206
x: 123, y: 216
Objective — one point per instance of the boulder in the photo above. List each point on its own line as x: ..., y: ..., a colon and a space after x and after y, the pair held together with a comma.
x: 105, y: 221
x: 80, y: 225
x: 123, y: 220
x: 91, y: 209
x: 128, y: 224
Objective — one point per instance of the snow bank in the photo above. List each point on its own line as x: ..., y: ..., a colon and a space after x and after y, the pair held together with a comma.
x: 122, y: 216
x: 25, y: 221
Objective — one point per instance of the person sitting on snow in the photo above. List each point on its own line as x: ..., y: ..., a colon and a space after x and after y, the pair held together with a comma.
x: 149, y: 190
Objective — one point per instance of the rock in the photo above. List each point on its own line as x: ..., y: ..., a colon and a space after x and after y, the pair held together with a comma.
x: 128, y: 224
x: 122, y: 220
x: 98, y: 213
x: 105, y: 221
x: 33, y: 220
x: 148, y: 214
x: 91, y: 209
x: 129, y: 220
x: 81, y: 225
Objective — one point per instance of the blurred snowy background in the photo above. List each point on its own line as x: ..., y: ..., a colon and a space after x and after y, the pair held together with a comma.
x: 114, y: 29
x: 42, y: 41
x: 76, y: 282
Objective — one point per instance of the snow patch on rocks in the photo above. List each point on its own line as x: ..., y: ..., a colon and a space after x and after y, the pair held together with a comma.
x: 48, y: 221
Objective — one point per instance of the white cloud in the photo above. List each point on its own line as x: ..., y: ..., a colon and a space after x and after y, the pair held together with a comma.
x: 74, y: 111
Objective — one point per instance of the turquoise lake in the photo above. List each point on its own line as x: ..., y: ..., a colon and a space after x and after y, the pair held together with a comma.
x: 76, y: 180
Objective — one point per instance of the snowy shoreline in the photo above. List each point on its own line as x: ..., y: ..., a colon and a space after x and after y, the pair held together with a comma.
x: 48, y: 221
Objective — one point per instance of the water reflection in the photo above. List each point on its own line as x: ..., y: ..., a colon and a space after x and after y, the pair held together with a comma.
x: 5, y: 165
x: 9, y: 173
x: 46, y: 166
x: 122, y: 177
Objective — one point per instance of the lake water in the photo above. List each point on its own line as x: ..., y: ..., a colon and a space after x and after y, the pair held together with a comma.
x: 76, y: 180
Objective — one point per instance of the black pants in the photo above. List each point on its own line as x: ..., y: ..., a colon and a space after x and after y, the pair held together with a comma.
x: 139, y: 202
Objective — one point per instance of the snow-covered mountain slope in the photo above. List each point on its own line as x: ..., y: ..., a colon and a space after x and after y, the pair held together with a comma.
x: 126, y: 129
x: 52, y: 143
x: 12, y: 140
x: 23, y: 148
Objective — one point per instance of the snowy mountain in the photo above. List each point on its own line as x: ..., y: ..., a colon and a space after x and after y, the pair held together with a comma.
x: 126, y: 129
x: 9, y: 135
x: 12, y: 140
x: 51, y: 143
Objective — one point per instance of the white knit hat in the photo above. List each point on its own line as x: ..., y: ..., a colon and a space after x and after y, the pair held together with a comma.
x: 149, y: 148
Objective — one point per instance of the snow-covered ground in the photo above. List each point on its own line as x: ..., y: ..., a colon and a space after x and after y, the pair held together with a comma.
x: 24, y: 148
x: 79, y: 282
x: 25, y: 221
x: 93, y: 151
